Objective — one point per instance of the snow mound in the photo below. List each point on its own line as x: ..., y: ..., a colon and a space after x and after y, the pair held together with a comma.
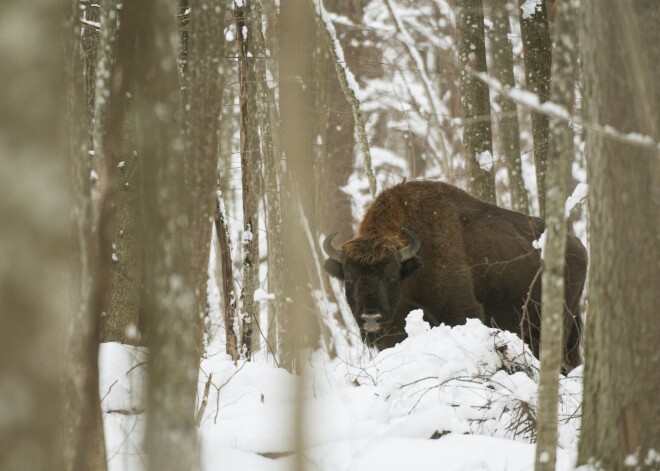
x: 445, y: 398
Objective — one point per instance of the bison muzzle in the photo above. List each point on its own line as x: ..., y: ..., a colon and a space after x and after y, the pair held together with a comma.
x: 431, y: 246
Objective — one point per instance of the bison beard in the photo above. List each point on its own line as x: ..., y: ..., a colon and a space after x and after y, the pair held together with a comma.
x: 431, y: 246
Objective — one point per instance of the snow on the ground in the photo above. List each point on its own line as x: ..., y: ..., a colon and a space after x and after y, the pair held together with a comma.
x: 460, y: 398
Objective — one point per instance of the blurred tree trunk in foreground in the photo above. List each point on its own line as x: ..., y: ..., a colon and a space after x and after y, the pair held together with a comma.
x: 172, y: 297
x: 35, y: 240
x: 477, y: 136
x: 621, y: 421
x: 537, y: 53
x: 564, y: 71
x: 296, y: 41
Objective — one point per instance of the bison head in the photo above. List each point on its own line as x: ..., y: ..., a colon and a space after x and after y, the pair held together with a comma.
x: 373, y: 268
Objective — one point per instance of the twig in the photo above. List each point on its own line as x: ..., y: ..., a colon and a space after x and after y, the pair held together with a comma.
x: 205, y: 400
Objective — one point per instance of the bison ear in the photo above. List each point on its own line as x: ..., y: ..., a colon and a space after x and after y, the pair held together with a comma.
x: 410, y: 266
x: 335, y: 268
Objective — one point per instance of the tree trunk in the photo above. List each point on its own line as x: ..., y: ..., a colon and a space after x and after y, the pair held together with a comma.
x: 475, y: 101
x: 276, y: 266
x: 296, y: 40
x: 249, y: 166
x: 35, y: 241
x: 564, y: 70
x: 508, y: 119
x: 206, y: 73
x: 537, y: 53
x: 232, y: 331
x: 120, y: 319
x: 621, y: 421
x: 172, y: 300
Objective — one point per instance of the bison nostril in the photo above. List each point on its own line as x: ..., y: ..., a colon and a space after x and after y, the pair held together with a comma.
x: 371, y: 317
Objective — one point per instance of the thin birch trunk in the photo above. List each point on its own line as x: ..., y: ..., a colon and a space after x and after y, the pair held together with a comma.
x: 564, y: 69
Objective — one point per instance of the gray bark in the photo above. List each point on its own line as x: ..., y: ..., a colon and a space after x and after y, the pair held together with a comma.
x: 508, y: 119
x: 564, y: 69
x: 475, y: 101
x: 537, y: 53
x: 622, y: 367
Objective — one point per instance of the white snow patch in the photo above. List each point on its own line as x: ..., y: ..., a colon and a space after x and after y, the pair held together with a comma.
x: 530, y: 7
x: 579, y: 195
x: 540, y: 243
x: 485, y: 160
x: 262, y: 295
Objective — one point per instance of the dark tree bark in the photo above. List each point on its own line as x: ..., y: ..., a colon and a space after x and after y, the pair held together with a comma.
x: 621, y: 62
x: 206, y: 74
x: 475, y: 101
x: 171, y: 297
x: 564, y: 71
x: 227, y: 275
x: 36, y: 237
x: 537, y: 53
x: 508, y: 120
x: 249, y: 149
x: 120, y: 317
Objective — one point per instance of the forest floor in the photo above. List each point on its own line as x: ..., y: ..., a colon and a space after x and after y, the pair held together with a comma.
x: 461, y: 398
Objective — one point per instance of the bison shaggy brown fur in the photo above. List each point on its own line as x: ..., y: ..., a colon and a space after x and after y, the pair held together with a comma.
x: 431, y: 246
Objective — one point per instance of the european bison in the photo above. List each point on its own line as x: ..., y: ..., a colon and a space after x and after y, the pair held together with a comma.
x: 432, y: 246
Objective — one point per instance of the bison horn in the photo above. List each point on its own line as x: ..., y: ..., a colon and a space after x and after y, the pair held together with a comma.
x: 409, y: 251
x: 332, y: 252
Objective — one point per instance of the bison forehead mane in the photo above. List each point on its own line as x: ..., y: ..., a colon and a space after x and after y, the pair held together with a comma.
x: 372, y: 249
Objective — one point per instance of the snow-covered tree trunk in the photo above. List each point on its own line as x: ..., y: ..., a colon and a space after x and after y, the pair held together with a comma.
x: 171, y: 297
x: 537, y: 53
x: 508, y: 120
x: 475, y: 101
x: 621, y: 59
x: 36, y: 249
x: 564, y: 71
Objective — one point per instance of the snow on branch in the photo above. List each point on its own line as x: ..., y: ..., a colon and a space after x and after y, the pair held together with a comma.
x: 420, y: 72
x: 531, y: 100
x: 349, y: 86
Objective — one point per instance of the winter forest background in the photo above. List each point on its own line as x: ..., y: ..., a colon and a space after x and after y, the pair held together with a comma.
x: 168, y: 170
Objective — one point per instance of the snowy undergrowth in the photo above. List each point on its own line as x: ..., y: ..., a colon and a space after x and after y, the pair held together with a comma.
x: 461, y: 398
